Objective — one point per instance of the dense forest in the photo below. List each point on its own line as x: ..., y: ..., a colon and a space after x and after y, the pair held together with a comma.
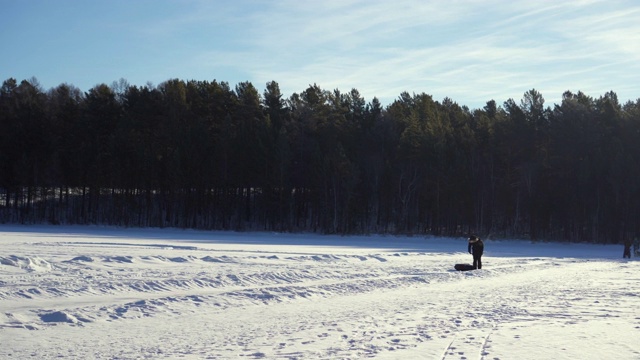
x: 200, y: 154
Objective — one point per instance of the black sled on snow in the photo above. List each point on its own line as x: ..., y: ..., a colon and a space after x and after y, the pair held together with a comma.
x: 463, y: 267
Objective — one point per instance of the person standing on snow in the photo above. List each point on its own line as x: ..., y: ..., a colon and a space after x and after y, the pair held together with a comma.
x: 627, y: 248
x: 476, y: 248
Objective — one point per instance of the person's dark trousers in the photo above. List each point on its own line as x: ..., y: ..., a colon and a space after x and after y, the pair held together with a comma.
x: 477, y: 261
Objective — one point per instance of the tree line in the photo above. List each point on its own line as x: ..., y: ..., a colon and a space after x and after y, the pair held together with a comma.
x: 201, y: 154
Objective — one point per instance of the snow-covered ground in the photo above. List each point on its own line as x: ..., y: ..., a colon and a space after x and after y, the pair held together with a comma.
x: 110, y: 293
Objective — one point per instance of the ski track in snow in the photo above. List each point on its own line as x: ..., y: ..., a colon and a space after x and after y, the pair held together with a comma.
x: 84, y: 297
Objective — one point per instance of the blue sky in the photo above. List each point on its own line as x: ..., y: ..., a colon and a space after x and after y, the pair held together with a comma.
x: 471, y: 51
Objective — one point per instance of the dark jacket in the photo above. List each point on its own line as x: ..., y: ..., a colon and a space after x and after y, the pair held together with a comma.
x: 476, y: 248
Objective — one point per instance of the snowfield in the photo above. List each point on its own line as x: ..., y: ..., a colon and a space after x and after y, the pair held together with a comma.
x: 112, y: 293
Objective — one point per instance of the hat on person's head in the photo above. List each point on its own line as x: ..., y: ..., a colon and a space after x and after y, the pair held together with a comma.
x: 473, y: 238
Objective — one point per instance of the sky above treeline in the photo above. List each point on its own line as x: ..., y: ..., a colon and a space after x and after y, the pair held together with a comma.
x: 470, y: 51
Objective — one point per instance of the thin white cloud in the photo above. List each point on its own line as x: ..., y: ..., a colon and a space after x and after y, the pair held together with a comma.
x: 471, y: 51
x: 450, y: 49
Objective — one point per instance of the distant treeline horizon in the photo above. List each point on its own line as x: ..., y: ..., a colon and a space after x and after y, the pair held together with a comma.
x: 204, y: 155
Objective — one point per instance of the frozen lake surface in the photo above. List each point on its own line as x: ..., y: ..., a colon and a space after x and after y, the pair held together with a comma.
x: 113, y: 293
